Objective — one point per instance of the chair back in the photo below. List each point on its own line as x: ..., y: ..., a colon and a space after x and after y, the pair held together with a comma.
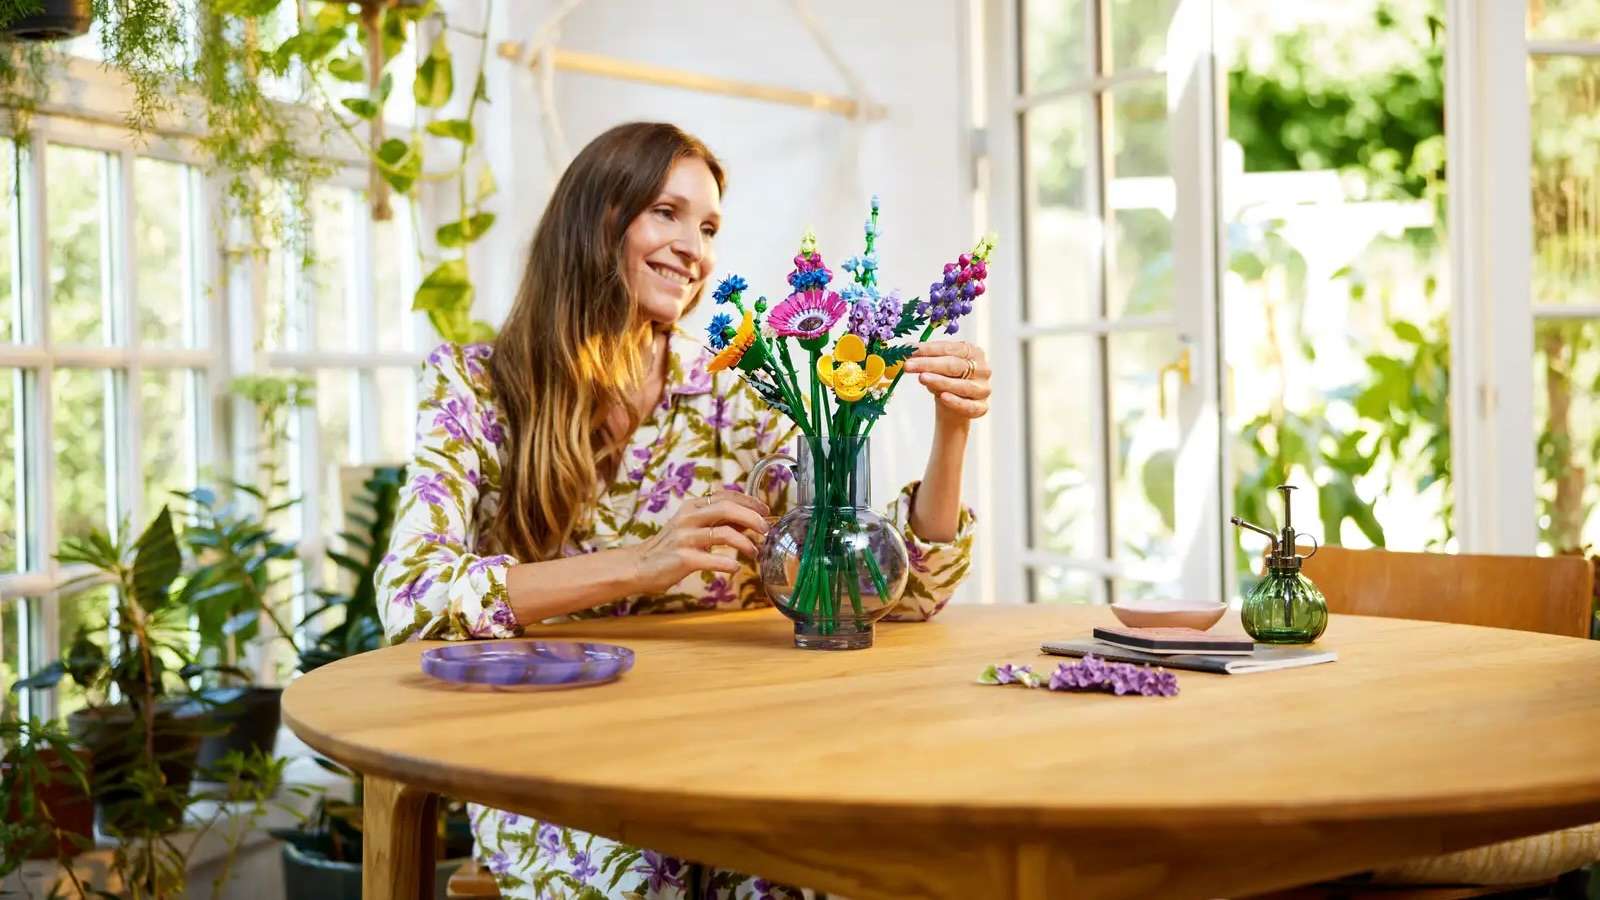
x: 1553, y: 595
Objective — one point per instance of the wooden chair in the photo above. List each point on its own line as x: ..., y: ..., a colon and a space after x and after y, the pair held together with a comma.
x: 472, y: 882
x: 1552, y: 595
x: 1544, y: 594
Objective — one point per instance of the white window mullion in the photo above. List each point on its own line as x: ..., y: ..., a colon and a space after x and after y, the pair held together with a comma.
x: 42, y: 631
x: 125, y: 442
x: 364, y: 424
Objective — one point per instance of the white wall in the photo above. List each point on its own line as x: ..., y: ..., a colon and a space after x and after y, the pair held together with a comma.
x: 787, y: 167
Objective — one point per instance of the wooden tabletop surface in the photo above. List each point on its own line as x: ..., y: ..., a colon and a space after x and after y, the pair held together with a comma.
x: 889, y: 770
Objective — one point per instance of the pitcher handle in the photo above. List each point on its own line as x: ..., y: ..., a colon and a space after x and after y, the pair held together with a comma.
x: 754, y: 480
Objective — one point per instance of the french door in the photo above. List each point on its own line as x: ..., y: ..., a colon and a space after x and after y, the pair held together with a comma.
x: 1102, y: 139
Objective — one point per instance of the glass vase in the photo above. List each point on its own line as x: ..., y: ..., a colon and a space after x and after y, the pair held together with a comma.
x: 1285, y: 608
x: 831, y: 564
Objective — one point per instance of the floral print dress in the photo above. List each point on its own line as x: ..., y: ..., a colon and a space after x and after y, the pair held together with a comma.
x: 436, y: 581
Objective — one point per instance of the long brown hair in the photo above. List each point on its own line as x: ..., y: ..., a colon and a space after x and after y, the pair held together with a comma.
x: 574, y: 347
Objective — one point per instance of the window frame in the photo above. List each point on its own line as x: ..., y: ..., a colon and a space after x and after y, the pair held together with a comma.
x: 227, y: 300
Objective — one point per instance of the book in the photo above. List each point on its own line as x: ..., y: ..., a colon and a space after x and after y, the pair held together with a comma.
x: 1175, y: 640
x: 1264, y: 659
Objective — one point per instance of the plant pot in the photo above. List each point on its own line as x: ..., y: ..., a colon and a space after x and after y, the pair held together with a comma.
x: 246, y: 719
x: 69, y: 808
x: 56, y: 20
x: 307, y: 876
x: 106, y: 732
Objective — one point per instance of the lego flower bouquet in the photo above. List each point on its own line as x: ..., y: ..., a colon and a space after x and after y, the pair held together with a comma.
x: 831, y: 564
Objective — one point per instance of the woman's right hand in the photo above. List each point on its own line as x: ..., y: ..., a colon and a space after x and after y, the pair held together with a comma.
x: 683, y: 546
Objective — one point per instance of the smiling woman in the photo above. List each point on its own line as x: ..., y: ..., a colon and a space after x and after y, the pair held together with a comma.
x: 581, y: 467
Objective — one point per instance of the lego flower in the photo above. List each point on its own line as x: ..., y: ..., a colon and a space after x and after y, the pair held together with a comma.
x: 729, y: 289
x: 717, y: 331
x: 849, y: 371
x: 806, y: 314
x: 737, y: 344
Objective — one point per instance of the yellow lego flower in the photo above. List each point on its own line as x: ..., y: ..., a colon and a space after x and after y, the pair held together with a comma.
x: 849, y: 371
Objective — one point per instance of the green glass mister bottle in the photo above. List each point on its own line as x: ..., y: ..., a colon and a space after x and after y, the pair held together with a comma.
x: 1285, y: 608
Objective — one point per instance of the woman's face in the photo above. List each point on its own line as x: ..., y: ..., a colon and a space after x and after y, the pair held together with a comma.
x: 669, y: 249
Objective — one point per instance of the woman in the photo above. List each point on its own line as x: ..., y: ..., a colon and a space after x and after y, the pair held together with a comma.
x: 586, y: 464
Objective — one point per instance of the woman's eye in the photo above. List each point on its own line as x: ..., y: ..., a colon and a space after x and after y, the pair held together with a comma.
x: 664, y: 211
x: 708, y: 231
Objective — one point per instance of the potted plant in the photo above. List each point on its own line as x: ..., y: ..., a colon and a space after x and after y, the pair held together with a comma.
x: 46, y: 20
x: 143, y: 743
x: 322, y: 858
x: 231, y: 589
x: 47, y: 812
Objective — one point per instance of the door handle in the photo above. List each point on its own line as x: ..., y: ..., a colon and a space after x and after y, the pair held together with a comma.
x: 1185, y: 377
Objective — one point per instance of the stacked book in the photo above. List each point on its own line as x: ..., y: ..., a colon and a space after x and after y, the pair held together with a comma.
x: 1187, y: 648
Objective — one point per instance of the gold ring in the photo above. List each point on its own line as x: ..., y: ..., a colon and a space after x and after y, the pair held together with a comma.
x: 971, y: 367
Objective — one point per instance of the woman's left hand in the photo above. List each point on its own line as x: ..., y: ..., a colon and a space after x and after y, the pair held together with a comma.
x: 957, y: 374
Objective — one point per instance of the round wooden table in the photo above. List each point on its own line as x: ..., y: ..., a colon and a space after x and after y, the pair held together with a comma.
x: 890, y: 773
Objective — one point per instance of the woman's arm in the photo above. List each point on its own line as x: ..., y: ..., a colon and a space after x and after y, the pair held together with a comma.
x: 936, y: 506
x: 556, y: 587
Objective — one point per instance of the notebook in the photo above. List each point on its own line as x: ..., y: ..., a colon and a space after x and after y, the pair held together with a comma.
x: 1175, y: 640
x: 1264, y: 659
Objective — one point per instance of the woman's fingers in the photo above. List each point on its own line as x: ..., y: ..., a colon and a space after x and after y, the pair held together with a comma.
x: 702, y: 561
x: 972, y: 409
x: 723, y: 535
x: 709, y: 511
x: 972, y: 389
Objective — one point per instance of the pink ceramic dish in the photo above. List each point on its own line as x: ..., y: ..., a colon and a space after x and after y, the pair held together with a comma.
x: 1168, y: 614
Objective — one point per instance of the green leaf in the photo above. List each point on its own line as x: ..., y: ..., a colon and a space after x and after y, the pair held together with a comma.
x: 486, y: 185
x: 1408, y: 332
x: 385, y: 86
x: 457, y: 234
x: 435, y: 77
x: 1158, y: 478
x: 401, y: 164
x: 361, y: 106
x: 156, y: 562
x: 446, y: 289
x: 393, y: 35
x: 348, y: 68
x: 44, y: 679
x: 896, y: 354
x: 460, y: 129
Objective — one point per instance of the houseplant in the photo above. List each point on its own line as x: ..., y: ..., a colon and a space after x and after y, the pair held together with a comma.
x: 47, y: 811
x: 143, y: 744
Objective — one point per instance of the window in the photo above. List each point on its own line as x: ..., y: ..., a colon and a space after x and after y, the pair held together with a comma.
x: 124, y: 317
x: 107, y: 366
x: 1564, y: 102
x: 1116, y: 328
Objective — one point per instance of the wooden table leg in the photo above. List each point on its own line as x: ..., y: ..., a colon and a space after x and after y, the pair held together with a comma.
x: 398, y: 834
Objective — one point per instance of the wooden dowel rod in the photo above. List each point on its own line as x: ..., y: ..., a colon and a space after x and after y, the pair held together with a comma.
x: 662, y: 76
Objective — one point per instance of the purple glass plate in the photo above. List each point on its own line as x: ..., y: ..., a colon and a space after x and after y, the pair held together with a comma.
x: 527, y: 664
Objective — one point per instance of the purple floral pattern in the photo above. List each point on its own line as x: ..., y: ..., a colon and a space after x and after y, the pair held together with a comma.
x: 440, y: 581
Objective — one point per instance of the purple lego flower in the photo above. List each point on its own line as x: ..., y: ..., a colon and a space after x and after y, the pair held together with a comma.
x: 661, y: 871
x: 1007, y: 673
x: 431, y: 489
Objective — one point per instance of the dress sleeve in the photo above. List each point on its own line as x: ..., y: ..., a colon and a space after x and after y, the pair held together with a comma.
x: 431, y: 584
x: 937, y: 567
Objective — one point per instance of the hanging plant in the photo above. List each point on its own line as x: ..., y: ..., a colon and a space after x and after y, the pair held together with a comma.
x: 356, y: 45
x: 45, y: 20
